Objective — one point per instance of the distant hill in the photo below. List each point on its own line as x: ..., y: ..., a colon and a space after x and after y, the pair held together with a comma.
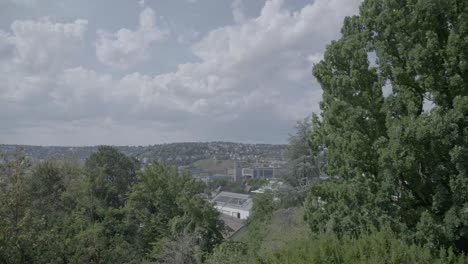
x: 213, y: 164
x: 175, y: 153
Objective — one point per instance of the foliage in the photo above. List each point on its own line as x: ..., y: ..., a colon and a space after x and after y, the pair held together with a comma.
x: 229, y: 252
x: 104, y: 212
x: 285, y: 238
x: 263, y: 207
x: 256, y: 183
x: 14, y: 200
x: 303, y: 167
x: 111, y: 173
x: 375, y: 247
x: 183, y: 249
x: 398, y: 159
x: 284, y: 227
x: 350, y: 207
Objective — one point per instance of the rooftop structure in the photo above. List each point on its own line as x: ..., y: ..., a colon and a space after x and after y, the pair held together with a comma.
x: 233, y: 204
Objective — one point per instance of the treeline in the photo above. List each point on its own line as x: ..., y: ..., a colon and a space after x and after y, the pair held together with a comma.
x: 173, y: 153
x: 107, y: 211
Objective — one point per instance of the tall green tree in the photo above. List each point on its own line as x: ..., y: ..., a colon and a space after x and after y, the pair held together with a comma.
x: 99, y: 225
x: 165, y: 206
x: 111, y: 174
x: 397, y: 126
x: 14, y: 210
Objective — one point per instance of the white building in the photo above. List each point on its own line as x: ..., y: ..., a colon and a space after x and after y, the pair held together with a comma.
x: 233, y: 204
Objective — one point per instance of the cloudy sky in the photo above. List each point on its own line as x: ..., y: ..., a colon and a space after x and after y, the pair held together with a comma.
x: 130, y: 72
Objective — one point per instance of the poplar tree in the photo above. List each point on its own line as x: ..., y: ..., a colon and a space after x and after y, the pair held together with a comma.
x: 394, y: 122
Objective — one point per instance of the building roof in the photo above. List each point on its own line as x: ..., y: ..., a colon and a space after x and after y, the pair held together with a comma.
x: 232, y: 225
x: 233, y: 200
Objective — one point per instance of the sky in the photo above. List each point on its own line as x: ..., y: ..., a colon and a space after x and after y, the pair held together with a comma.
x: 142, y: 72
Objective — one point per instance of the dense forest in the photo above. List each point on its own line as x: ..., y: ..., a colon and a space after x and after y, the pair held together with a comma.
x: 392, y: 136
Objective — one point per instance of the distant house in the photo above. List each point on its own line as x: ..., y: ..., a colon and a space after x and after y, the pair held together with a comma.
x: 258, y: 173
x: 233, y: 204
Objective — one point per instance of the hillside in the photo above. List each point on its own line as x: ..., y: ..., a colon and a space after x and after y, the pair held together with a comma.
x: 174, y: 153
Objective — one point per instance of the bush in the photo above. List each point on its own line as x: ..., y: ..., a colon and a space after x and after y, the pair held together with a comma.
x: 375, y: 247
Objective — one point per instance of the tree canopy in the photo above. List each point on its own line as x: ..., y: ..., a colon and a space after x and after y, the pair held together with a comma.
x: 107, y: 211
x: 394, y: 122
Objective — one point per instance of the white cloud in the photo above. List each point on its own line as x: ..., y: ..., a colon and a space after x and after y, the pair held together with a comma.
x: 45, y: 43
x: 238, y: 11
x: 189, y: 36
x: 252, y: 63
x: 252, y: 78
x: 39, y: 45
x: 32, y: 53
x: 7, y: 46
x: 125, y: 47
x: 247, y: 65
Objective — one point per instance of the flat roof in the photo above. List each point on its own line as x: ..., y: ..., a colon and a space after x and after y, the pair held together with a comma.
x: 233, y: 200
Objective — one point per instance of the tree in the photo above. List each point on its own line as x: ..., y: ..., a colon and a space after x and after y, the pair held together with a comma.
x: 14, y: 210
x: 229, y: 252
x: 58, y: 212
x: 97, y: 227
x: 165, y: 206
x: 183, y: 249
x: 408, y: 146
x: 257, y: 223
x: 47, y: 185
x: 302, y: 165
x: 111, y: 173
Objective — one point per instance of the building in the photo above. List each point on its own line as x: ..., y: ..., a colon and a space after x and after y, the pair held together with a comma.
x: 233, y: 204
x: 213, y: 172
x: 258, y: 173
x: 235, y: 172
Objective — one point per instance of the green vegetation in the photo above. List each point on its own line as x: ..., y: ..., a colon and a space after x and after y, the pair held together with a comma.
x: 104, y: 212
x: 282, y: 236
x: 213, y: 164
x: 375, y: 247
x: 395, y: 142
x: 302, y: 167
x: 401, y: 165
x: 392, y: 135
